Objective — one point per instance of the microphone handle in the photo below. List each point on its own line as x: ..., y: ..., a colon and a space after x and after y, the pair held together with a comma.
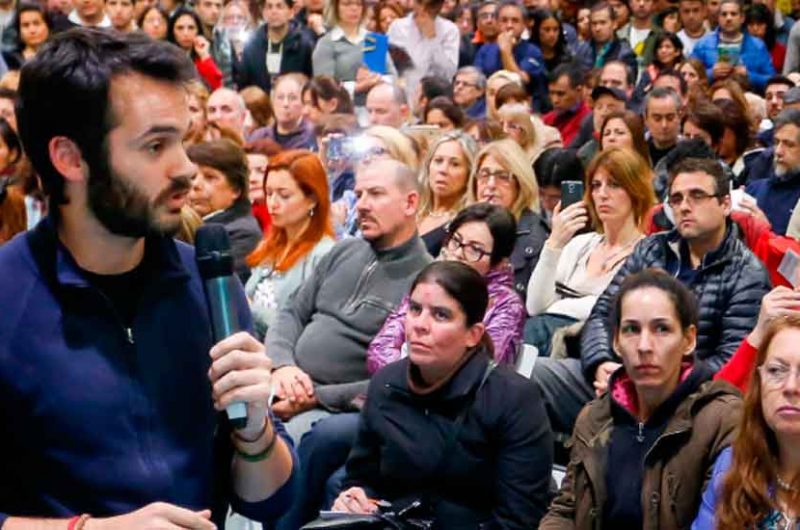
x: 224, y: 323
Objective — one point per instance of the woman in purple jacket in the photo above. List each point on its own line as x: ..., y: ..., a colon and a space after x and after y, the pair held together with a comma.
x: 482, y: 236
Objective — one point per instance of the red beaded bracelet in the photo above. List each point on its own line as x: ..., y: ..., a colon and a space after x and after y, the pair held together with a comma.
x: 77, y: 522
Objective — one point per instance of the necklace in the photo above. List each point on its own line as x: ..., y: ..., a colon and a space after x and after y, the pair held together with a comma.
x: 439, y: 215
x: 611, y: 260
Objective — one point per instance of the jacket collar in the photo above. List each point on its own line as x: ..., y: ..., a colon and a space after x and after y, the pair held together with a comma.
x: 527, y: 221
x: 61, y: 271
x: 717, y: 256
x: 411, y: 247
x: 337, y: 33
x: 502, y: 276
x: 240, y: 208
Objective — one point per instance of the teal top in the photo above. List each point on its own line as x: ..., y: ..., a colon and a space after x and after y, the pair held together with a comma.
x: 268, y: 290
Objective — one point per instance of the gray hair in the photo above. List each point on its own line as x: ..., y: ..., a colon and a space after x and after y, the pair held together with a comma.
x: 480, y: 77
x: 661, y: 93
x: 788, y: 117
x: 238, y: 97
x: 398, y: 94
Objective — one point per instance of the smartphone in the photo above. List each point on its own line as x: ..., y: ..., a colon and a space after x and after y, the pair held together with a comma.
x: 571, y: 192
x: 338, y: 147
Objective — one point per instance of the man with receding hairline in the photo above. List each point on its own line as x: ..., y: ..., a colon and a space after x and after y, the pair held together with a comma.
x: 226, y: 108
x: 387, y: 105
x: 319, y: 343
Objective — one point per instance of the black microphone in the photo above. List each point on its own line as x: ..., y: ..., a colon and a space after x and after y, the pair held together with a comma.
x: 214, y: 259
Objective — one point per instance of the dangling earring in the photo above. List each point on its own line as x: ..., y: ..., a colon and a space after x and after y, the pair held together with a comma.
x: 311, y: 212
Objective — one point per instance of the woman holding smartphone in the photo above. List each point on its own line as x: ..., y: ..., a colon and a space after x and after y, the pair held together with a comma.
x: 573, y: 270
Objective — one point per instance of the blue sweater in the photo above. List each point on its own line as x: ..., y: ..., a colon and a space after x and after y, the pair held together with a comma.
x: 754, y: 56
x: 101, y: 418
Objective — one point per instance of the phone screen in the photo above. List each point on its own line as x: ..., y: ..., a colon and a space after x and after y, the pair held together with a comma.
x: 571, y: 192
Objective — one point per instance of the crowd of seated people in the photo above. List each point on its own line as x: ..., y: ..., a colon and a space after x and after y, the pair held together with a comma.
x: 443, y: 330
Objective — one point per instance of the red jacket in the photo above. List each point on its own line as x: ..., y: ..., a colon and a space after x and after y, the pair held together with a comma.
x: 568, y: 122
x: 209, y: 71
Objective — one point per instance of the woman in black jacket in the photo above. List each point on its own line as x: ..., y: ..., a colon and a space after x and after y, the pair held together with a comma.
x: 445, y: 426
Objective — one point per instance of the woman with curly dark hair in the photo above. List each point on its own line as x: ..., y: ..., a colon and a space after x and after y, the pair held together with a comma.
x: 759, y: 22
x: 756, y: 482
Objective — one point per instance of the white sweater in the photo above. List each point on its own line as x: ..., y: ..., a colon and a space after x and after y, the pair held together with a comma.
x: 568, y: 267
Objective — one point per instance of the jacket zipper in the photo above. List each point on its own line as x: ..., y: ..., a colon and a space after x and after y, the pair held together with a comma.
x: 640, y: 436
x: 361, y: 282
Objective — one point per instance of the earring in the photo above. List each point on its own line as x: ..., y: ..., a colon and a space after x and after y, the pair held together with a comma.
x: 311, y: 212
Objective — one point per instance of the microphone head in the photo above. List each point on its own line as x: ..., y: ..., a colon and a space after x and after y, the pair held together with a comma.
x: 213, y: 251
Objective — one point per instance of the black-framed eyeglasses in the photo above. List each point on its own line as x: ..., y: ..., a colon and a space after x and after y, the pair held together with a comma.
x: 470, y: 251
x: 501, y: 176
x: 693, y: 198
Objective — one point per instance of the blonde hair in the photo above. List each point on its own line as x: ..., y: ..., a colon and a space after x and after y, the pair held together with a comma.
x: 400, y: 146
x: 468, y: 148
x: 506, y: 75
x: 520, y: 115
x: 513, y: 159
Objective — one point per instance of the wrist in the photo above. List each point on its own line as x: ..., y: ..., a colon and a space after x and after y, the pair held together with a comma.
x: 754, y: 338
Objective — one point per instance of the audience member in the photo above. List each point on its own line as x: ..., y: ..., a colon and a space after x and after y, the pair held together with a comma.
x: 694, y: 73
x: 760, y: 23
x: 737, y: 137
x: 704, y: 121
x: 554, y: 166
x: 494, y: 83
x: 604, y: 45
x: 481, y: 236
x: 339, y: 53
x: 13, y: 218
x: 473, y: 472
x: 319, y: 341
x: 730, y: 50
x: 777, y: 194
x: 625, y: 129
x: 441, y: 112
x: 569, y: 108
x: 121, y: 14
x: 33, y: 27
x: 641, y: 30
x: 574, y: 270
x: 469, y: 91
x: 387, y: 105
x: 291, y: 129
x: 503, y: 176
x: 548, y: 34
x: 661, y: 388
x: 104, y: 283
x: 430, y: 40
x: 662, y: 116
x: 226, y: 108
x: 88, y: 14
x: 219, y: 195
x: 519, y: 126
x: 775, y: 91
x: 693, y: 16
x: 279, y: 46
x: 605, y: 101
x: 259, y: 109
x: 153, y: 22
x: 429, y: 88
x: 185, y: 31
x: 443, y: 182
x: 754, y: 482
x: 324, y: 96
x: 296, y: 194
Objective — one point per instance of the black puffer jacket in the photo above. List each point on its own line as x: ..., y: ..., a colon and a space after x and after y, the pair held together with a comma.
x: 729, y: 288
x: 532, y: 232
x: 497, y: 472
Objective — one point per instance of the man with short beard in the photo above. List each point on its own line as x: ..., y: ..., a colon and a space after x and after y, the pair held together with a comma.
x: 113, y: 385
x: 777, y: 195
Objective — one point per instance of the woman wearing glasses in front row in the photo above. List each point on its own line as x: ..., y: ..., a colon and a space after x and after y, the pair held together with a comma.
x: 756, y: 482
x: 504, y: 177
x: 643, y: 451
x: 482, y: 236
x: 574, y: 270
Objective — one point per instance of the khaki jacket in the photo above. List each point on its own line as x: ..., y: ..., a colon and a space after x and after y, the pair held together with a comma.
x: 677, y: 467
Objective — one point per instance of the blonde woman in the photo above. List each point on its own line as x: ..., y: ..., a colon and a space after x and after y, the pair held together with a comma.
x: 443, y: 180
x: 496, y: 81
x: 503, y: 176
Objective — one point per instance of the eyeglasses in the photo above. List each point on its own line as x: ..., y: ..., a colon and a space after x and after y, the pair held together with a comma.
x: 470, y: 251
x: 693, y: 198
x: 775, y: 375
x: 458, y: 83
x: 510, y: 125
x: 487, y: 15
x: 501, y: 176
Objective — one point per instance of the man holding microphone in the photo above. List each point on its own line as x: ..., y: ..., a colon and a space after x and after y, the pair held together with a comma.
x: 111, y: 383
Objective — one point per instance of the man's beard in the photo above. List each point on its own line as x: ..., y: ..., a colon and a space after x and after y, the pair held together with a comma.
x: 123, y: 209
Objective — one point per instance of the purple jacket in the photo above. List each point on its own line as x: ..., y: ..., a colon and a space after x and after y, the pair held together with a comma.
x: 504, y: 319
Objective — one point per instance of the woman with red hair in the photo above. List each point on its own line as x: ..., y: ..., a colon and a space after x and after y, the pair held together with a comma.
x: 756, y: 483
x: 296, y: 194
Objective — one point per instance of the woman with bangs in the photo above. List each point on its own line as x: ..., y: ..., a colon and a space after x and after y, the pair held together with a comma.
x: 443, y: 182
x: 503, y: 176
x: 296, y: 194
x: 756, y: 482
x: 574, y: 269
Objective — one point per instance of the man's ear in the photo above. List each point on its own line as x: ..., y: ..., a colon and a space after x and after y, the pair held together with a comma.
x: 412, y: 203
x: 66, y: 158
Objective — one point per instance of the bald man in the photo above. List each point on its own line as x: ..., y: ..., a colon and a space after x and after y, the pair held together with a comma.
x: 318, y: 344
x: 226, y: 108
x: 387, y: 105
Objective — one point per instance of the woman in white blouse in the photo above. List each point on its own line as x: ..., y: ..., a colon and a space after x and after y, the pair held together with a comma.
x: 573, y: 270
